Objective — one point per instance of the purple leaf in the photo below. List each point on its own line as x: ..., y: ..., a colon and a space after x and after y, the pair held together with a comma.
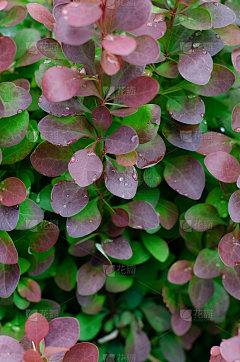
x: 43, y: 261
x: 85, y: 222
x: 220, y: 82
x: 123, y: 140
x: 213, y: 142
x: 233, y: 206
x: 197, y: 19
x: 221, y: 15
x: 87, y: 88
x: 15, y: 99
x: 121, y: 181
x: 41, y: 14
x: 137, y: 343
x: 181, y: 321
x: 196, y: 66
x: 127, y: 73
x: 43, y: 236
x: 223, y: 166
x: 236, y: 118
x: 70, y: 35
x: 11, y: 350
x: 23, y: 83
x: 147, y: 51
x: 14, y: 16
x: 183, y: 139
x: 139, y: 91
x: 60, y: 84
x: 36, y: 328
x: 8, y: 50
x: 64, y: 132
x: 51, y: 160
x: 63, y: 332
x: 202, y: 217
x: 82, y: 249
x: 123, y: 112
x: 186, y: 109
x: 229, y: 248
x: 236, y: 60
x: 142, y: 215
x: 208, y: 264
x: 83, y: 54
x: 231, y: 280
x: 230, y: 349
x: 30, y: 214
x: 150, y: 153
x: 90, y: 279
x: 110, y: 63
x: 50, y: 48
x: 119, y: 45
x: 189, y: 338
x: 81, y: 14
x: 13, y: 191
x: 200, y: 291
x: 132, y: 17
x: 3, y: 4
x: 85, y: 301
x: 155, y: 26
x: 29, y: 289
x: 82, y: 352
x: 167, y: 213
x: 62, y: 109
x: 117, y: 248
x: 8, y: 217
x: 8, y: 252
x: 9, y: 277
x: 120, y: 218
x: 112, y: 230
x: 101, y: 118
x: 85, y: 167
x: 180, y: 272
x: 185, y: 174
x: 207, y: 40
x: 67, y: 198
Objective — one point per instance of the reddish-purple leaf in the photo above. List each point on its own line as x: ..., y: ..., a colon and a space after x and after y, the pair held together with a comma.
x: 63, y: 332
x: 36, y: 328
x: 119, y: 45
x: 208, y: 264
x: 8, y: 50
x: 85, y: 222
x: 50, y: 48
x: 231, y: 280
x: 83, y: 54
x: 117, y: 248
x: 167, y: 213
x: 236, y: 59
x: 2, y: 108
x: 127, y: 73
x: 8, y: 252
x: 213, y: 142
x: 14, y: 16
x: 223, y: 166
x: 51, y: 160
x: 186, y: 109
x: 121, y: 181
x: 82, y: 249
x: 67, y: 198
x: 23, y: 83
x: 230, y: 349
x: 50, y: 351
x: 3, y: 4
x: 229, y: 248
x: 64, y: 132
x: 12, y: 191
x: 180, y: 272
x: 181, y: 321
x: 85, y: 301
x: 8, y: 217
x: 112, y: 230
x: 196, y: 66
x: 11, y: 349
x: 120, y: 218
x: 81, y: 14
x: 234, y: 206
x: 202, y: 217
x: 123, y: 112
x: 155, y: 26
x: 150, y: 153
x: 123, y: 140
x: 82, y: 352
x: 40, y: 14
x: 110, y: 63
x: 137, y: 343
x: 101, y: 118
x: 90, y: 279
x: 207, y: 40
x: 190, y: 337
x: 220, y: 82
x: 9, y: 278
x: 60, y: 83
x: 139, y: 91
x: 142, y: 215
x: 85, y: 167
x: 87, y: 88
x: 183, y: 139
x: 15, y: 99
x: 221, y: 15
x: 147, y: 51
x: 132, y: 17
x: 200, y: 291
x: 43, y: 261
x: 29, y: 289
x: 70, y: 35
x: 43, y: 236
x: 236, y: 118
x: 185, y: 174
x: 62, y: 109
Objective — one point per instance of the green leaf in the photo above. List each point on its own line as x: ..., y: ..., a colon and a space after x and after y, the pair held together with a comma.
x: 116, y: 282
x: 140, y: 254
x: 157, y: 316
x: 66, y: 274
x: 90, y: 325
x: 156, y: 246
x: 13, y: 129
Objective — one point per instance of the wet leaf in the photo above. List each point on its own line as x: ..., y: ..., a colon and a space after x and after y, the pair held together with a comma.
x: 81, y: 14
x: 142, y: 215
x: 132, y: 17
x: 231, y: 280
x: 167, y: 212
x: 15, y: 99
x: 183, y: 139
x: 147, y: 51
x: 110, y: 63
x: 223, y: 166
x: 181, y: 321
x: 221, y: 15
x: 9, y: 277
x: 50, y: 48
x: 186, y: 109
x: 150, y: 153
x: 117, y: 248
x: 8, y: 217
x: 155, y: 26
x: 29, y: 289
x: 8, y: 252
x: 83, y: 54
x: 197, y: 19
x: 208, y: 264
x: 213, y: 142
x: 229, y: 248
x: 200, y: 291
x: 123, y: 140
x: 7, y: 52
x: 202, y: 217
x: 36, y: 328
x: 208, y: 40
x: 43, y: 236
x: 71, y: 35
x: 180, y: 272
x: 101, y: 118
x: 40, y: 14
x: 90, y: 279
x: 119, y: 45
x: 62, y: 109
x: 13, y: 191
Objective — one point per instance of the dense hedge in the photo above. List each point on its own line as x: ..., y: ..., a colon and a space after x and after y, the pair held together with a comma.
x: 119, y: 193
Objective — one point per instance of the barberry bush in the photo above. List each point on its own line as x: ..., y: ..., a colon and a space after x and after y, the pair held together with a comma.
x: 120, y: 178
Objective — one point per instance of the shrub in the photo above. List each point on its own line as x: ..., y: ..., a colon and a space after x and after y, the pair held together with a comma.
x: 107, y: 215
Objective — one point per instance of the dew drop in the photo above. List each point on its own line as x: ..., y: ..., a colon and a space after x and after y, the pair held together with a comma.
x: 65, y: 17
x: 217, y: 265
x: 134, y: 138
x: 64, y: 12
x: 223, y: 143
x: 217, y: 36
x: 40, y: 100
x: 196, y: 45
x: 82, y: 71
x: 222, y: 129
x: 72, y: 160
x: 67, y: 108
x: 126, y: 184
x: 59, y: 67
x: 123, y: 35
x: 84, y: 86
x: 67, y: 195
x: 120, y: 179
x: 149, y: 24
x: 47, y: 61
x: 158, y: 18
x: 140, y: 155
x: 20, y: 111
x: 85, y: 194
x: 202, y: 115
x: 109, y: 37
x: 64, y: 206
x: 204, y: 51
x: 171, y: 113
x: 204, y: 122
x: 223, y: 276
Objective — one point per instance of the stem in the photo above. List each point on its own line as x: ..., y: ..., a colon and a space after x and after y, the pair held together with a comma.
x: 171, y: 91
x: 110, y: 208
x: 153, y: 359
x: 171, y: 24
x: 86, y: 238
x: 100, y: 155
